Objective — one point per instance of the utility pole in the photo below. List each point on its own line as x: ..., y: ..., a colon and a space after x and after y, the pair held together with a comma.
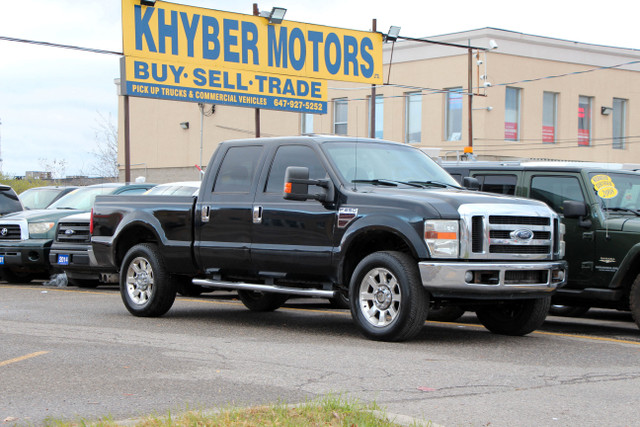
x: 256, y: 12
x: 470, y: 76
x: 372, y: 113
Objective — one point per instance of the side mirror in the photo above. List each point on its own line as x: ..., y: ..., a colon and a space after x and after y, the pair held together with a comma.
x: 574, y: 209
x: 470, y: 183
x: 297, y: 182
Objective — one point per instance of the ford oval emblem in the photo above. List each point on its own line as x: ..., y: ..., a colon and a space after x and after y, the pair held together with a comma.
x: 69, y: 232
x: 523, y: 234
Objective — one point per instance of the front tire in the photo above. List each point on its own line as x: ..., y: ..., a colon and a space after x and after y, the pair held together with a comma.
x: 515, y: 317
x: 262, y: 301
x: 16, y: 276
x: 145, y: 286
x: 634, y: 301
x: 388, y: 301
x: 568, y: 310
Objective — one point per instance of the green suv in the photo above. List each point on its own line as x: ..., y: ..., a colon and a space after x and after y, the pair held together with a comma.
x: 600, y: 209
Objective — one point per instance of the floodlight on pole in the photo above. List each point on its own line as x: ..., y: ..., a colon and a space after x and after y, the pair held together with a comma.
x: 392, y: 35
x: 276, y: 16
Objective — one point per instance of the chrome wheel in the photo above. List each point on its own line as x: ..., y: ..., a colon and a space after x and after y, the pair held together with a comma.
x: 139, y: 281
x: 379, y: 297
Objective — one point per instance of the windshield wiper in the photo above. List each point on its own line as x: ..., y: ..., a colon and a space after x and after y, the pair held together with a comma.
x: 387, y: 182
x: 435, y: 184
x: 633, y: 211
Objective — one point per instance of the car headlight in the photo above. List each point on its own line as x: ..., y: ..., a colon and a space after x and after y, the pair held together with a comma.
x: 40, y: 227
x: 441, y: 237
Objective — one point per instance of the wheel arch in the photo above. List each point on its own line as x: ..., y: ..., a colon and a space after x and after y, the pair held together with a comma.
x: 628, y: 271
x: 366, y: 240
x: 131, y: 235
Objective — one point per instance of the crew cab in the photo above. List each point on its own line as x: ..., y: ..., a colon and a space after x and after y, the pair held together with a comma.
x: 375, y: 221
x: 600, y: 208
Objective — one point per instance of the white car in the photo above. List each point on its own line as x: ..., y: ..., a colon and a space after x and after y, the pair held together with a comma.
x: 182, y: 188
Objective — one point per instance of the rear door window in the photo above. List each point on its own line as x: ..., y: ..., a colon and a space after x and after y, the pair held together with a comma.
x: 501, y: 184
x: 238, y: 169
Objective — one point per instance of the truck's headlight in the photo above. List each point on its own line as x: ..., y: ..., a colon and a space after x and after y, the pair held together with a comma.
x: 441, y: 237
x: 40, y: 227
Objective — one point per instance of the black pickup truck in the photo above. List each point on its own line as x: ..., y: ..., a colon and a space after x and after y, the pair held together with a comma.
x: 377, y: 222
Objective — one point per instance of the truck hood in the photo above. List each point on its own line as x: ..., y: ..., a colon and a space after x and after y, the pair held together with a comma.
x: 446, y: 201
x: 626, y: 223
x: 39, y: 215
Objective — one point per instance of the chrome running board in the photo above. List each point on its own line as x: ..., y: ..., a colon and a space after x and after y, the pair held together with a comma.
x: 208, y: 283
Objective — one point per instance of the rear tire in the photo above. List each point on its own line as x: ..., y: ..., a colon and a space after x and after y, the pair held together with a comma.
x: 340, y: 301
x: 145, y: 286
x: 388, y: 301
x: 448, y: 313
x: 515, y: 317
x: 262, y: 301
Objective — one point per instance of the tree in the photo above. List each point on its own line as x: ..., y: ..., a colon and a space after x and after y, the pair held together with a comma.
x: 106, y: 150
x: 56, y: 167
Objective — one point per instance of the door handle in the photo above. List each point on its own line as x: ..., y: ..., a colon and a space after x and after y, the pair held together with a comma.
x: 257, y: 214
x: 205, y: 212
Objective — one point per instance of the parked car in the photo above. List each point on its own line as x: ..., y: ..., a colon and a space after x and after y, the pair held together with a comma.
x: 181, y: 188
x: 600, y: 208
x: 26, y: 237
x: 42, y: 197
x: 9, y: 201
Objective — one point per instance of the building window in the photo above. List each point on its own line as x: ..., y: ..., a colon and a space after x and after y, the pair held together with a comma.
x: 453, y: 114
x: 549, y: 116
x: 512, y: 114
x: 340, y: 108
x: 584, y: 120
x: 306, y: 123
x: 379, y: 125
x: 619, y: 123
x: 413, y: 114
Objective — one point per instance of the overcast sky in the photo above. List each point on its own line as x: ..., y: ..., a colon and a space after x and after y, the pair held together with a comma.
x: 51, y: 100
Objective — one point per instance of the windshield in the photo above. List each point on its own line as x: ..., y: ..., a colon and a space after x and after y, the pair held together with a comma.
x: 617, y: 191
x: 38, y: 198
x: 82, y: 198
x: 379, y: 163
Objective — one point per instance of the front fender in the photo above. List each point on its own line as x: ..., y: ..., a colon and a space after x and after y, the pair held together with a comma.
x: 627, y: 264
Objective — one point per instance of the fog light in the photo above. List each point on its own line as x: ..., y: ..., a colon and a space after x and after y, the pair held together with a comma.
x: 468, y: 277
x: 558, y: 275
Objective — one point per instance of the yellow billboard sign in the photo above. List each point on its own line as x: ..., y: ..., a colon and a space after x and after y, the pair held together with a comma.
x: 289, y: 60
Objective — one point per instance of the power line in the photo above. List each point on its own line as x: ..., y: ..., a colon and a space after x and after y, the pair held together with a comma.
x: 62, y: 46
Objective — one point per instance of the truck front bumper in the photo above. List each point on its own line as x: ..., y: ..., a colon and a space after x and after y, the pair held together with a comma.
x: 482, y: 280
x: 31, y: 254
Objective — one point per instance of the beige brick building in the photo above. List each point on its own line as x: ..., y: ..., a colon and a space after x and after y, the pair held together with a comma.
x: 535, y: 97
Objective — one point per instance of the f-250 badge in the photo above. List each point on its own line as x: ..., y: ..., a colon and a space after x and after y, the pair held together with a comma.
x: 346, y: 215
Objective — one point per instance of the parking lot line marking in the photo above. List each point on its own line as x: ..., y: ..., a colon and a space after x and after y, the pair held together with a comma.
x: 21, y: 358
x: 586, y: 337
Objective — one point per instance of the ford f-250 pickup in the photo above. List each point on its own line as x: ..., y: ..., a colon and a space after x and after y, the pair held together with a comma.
x: 377, y: 222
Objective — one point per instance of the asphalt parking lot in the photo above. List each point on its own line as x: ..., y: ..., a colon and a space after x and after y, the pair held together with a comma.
x: 75, y: 354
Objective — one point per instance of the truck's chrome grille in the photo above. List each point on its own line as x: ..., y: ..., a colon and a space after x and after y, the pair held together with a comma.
x: 73, y: 232
x: 508, y: 232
